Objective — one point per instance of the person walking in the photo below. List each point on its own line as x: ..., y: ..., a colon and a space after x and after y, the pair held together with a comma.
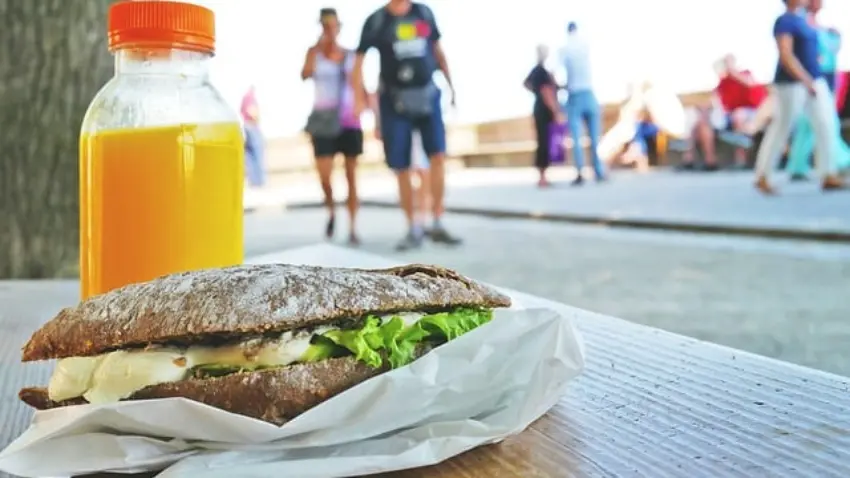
x: 799, y: 86
x: 803, y: 141
x: 546, y: 111
x: 582, y: 108
x: 254, y: 143
x: 333, y: 125
x: 407, y: 38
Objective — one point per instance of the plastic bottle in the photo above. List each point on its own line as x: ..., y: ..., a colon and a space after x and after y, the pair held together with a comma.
x: 161, y: 154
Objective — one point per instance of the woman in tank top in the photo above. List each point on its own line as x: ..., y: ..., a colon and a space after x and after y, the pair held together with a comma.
x: 329, y: 64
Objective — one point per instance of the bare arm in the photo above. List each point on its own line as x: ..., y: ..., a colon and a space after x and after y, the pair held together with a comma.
x: 356, y: 79
x: 442, y: 63
x: 547, y: 92
x: 789, y: 62
x: 376, y: 111
x: 309, y: 64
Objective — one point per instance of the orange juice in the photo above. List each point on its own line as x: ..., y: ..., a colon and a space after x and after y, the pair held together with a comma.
x: 156, y: 201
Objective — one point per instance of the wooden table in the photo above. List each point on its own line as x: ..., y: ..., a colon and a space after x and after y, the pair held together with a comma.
x: 649, y: 403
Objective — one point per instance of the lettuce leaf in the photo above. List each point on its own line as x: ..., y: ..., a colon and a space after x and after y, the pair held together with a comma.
x: 364, y: 343
x: 322, y: 348
x: 395, y: 340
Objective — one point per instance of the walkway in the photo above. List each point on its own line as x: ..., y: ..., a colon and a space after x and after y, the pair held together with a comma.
x: 720, y: 202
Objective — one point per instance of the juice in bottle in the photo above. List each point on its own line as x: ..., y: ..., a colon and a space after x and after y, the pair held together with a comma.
x: 161, y: 154
x: 159, y: 200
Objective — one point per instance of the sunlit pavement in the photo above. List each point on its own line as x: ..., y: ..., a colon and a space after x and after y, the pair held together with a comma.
x: 723, y: 202
x: 783, y: 299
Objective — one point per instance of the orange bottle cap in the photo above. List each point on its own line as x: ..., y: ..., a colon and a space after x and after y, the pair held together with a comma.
x: 161, y: 24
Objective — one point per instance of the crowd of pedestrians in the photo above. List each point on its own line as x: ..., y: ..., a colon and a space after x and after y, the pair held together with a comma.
x: 798, y: 109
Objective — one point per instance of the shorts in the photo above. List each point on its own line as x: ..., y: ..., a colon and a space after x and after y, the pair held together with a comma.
x: 349, y: 143
x: 397, y: 133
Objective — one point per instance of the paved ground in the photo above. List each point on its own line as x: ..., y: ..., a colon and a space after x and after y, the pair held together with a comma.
x: 719, y: 199
x: 783, y: 299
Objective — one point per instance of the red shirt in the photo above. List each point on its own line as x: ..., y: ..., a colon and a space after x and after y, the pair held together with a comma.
x: 733, y: 94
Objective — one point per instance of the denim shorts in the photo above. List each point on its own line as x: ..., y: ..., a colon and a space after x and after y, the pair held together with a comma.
x: 397, y: 133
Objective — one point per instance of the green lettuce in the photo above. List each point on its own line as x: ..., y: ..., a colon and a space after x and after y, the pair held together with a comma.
x: 394, y: 339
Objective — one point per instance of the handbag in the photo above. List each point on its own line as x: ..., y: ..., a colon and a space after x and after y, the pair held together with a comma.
x: 414, y: 101
x: 327, y: 123
x: 324, y: 123
x: 557, y: 152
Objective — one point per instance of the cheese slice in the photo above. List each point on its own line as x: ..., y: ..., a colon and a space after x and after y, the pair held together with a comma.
x: 117, y: 375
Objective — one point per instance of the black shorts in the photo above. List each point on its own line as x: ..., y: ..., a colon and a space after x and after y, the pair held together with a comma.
x: 349, y: 143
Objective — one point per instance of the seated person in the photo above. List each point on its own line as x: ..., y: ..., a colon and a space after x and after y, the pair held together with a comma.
x: 647, y: 104
x: 737, y: 98
x: 699, y: 125
x: 636, y: 152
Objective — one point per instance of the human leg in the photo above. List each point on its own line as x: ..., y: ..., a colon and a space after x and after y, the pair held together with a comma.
x: 396, y: 131
x: 821, y: 112
x: 351, y: 146
x: 574, y: 122
x: 254, y: 161
x: 433, y: 133
x: 615, y: 140
x: 704, y: 134
x: 324, y: 150
x: 541, y: 153
x: 592, y: 115
x: 738, y: 119
x: 790, y: 102
x: 800, y: 151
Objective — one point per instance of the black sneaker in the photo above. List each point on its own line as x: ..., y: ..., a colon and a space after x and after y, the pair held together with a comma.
x: 578, y: 181
x: 410, y: 241
x: 441, y: 235
x: 798, y: 178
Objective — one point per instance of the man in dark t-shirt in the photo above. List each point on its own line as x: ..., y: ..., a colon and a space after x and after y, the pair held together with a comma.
x: 407, y: 38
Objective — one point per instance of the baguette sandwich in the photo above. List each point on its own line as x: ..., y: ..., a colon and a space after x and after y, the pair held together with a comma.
x: 265, y: 341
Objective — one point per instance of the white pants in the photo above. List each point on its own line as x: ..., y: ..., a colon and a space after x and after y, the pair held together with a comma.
x: 792, y: 100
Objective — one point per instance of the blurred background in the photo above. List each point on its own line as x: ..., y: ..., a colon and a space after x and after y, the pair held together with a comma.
x: 491, y: 47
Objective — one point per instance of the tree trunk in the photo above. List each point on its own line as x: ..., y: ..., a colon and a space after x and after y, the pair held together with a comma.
x: 53, y: 60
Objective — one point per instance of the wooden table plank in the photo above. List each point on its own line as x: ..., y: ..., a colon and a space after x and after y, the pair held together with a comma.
x: 649, y: 404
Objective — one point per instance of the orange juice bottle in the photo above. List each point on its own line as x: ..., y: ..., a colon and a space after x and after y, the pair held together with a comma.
x: 161, y: 154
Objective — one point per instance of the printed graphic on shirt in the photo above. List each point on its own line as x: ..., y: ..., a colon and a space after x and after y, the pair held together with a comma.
x: 411, y: 39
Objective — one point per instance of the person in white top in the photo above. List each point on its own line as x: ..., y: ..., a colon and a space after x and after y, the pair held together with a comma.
x: 582, y: 106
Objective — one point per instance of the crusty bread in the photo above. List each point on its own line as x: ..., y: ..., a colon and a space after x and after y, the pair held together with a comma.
x: 245, y: 300
x: 275, y: 395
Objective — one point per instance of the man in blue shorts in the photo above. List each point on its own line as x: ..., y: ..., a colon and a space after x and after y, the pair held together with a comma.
x: 407, y: 38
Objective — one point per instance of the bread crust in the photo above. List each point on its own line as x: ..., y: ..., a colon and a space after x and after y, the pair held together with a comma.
x: 275, y: 396
x: 247, y: 300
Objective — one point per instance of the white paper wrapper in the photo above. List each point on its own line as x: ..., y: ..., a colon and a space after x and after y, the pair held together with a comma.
x: 480, y: 388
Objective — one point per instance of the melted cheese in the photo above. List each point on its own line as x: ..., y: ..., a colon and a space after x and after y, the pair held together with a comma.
x: 117, y: 375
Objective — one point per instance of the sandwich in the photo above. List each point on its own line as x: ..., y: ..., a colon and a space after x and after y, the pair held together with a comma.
x: 265, y: 341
